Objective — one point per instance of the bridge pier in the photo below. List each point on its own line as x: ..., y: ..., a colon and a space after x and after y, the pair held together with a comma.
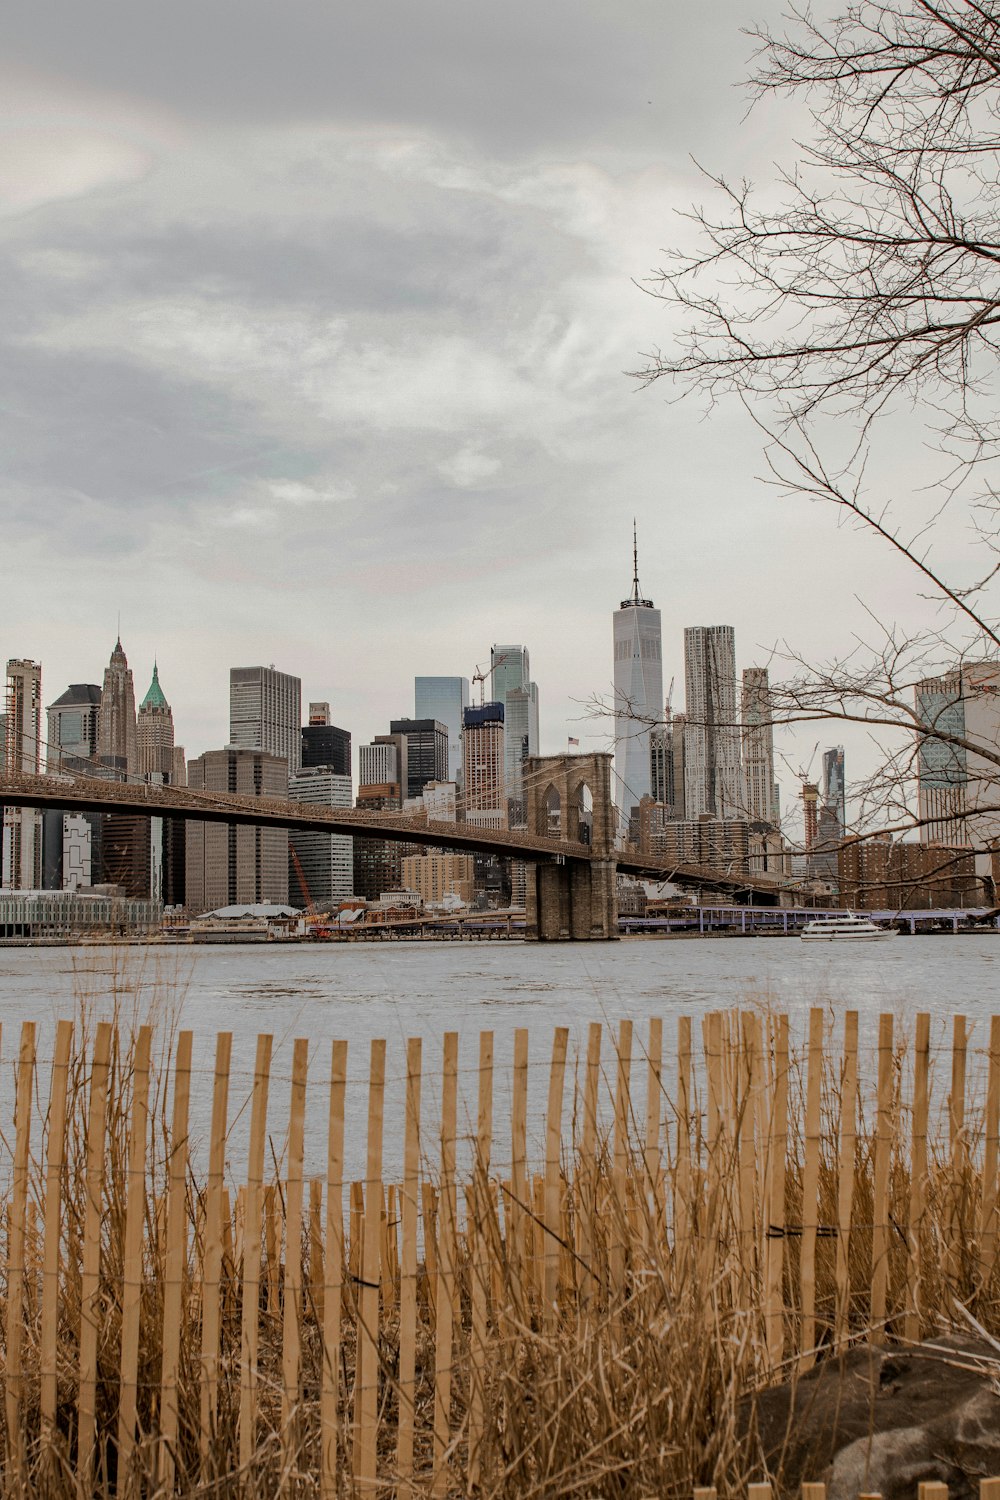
x: 572, y: 900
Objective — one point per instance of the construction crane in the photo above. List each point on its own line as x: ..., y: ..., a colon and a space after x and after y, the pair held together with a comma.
x: 810, y: 799
x: 810, y: 803
x: 311, y: 914
x: 483, y: 677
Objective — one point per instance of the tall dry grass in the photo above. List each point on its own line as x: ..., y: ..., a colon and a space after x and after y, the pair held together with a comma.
x: 638, y: 1381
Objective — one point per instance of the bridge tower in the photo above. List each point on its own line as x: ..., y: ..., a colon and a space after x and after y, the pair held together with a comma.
x: 569, y: 796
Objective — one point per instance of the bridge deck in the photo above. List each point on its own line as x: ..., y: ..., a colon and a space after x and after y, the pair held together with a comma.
x: 91, y: 794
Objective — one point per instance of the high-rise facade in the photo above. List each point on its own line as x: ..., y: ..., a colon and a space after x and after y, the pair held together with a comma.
x: 230, y: 865
x: 444, y: 699
x: 426, y: 752
x: 21, y: 853
x: 71, y: 736
x: 321, y: 865
x: 377, y: 862
x: 484, y: 761
x: 265, y: 712
x: 382, y: 763
x: 712, y: 776
x: 155, y: 733
x: 512, y: 686
x: 71, y: 842
x: 638, y: 700
x: 834, y: 787
x: 117, y: 745
x: 959, y: 787
x: 160, y: 760
x: 323, y: 744
x: 758, y: 748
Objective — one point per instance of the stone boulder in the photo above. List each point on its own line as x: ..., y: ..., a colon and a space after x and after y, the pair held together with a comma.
x: 882, y: 1419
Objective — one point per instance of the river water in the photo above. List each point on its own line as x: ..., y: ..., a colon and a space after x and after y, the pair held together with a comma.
x: 397, y: 990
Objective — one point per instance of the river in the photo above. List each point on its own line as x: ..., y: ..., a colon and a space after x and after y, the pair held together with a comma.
x: 397, y: 990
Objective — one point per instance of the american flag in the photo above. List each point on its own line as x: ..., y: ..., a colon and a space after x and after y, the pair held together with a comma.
x: 571, y: 741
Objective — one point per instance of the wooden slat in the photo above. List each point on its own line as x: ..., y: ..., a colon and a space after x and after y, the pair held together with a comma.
x: 716, y: 1166
x: 586, y: 1243
x: 90, y: 1288
x: 991, y: 1161
x: 810, y: 1190
x: 14, y: 1374
x: 211, y: 1303
x: 683, y: 1199
x: 315, y: 1308
x: 334, y: 1276
x: 814, y: 1492
x: 747, y: 1059
x: 443, y: 1343
x: 654, y: 1111
x: 176, y: 1263
x: 55, y: 1156
x: 845, y: 1176
x: 623, y: 1112
x: 517, y: 1237
x: 883, y: 1162
x: 366, y: 1398
x: 250, y: 1319
x: 291, y: 1332
x: 957, y: 1146
x: 408, y: 1273
x: 774, y: 1221
x: 989, y: 1489
x: 480, y: 1219
x: 135, y: 1214
x: 553, y: 1176
x: 918, y: 1173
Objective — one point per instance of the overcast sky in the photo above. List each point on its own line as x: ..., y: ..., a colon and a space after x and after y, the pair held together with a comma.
x: 315, y: 318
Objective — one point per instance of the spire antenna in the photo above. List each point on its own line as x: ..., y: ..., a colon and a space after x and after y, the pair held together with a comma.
x: 635, y: 560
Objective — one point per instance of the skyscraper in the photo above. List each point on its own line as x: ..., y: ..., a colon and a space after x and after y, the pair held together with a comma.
x: 958, y: 788
x: 228, y: 864
x: 265, y: 712
x: 323, y: 744
x: 155, y: 733
x: 161, y: 760
x: 71, y: 736
x: 117, y: 747
x: 426, y: 752
x: 444, y: 699
x: 638, y: 677
x: 71, y: 842
x: 512, y: 686
x: 321, y: 865
x: 758, y: 748
x: 483, y: 758
x: 21, y: 854
x: 712, y: 780
x: 834, y: 788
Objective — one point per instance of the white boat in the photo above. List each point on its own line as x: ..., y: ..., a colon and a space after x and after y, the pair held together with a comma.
x: 846, y: 927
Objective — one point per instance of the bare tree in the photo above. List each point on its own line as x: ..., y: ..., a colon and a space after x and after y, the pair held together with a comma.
x: 870, y: 279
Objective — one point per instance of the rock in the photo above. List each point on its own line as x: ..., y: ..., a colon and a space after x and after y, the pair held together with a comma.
x: 883, y: 1419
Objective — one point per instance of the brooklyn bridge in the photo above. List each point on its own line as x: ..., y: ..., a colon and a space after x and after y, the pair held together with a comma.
x: 568, y: 845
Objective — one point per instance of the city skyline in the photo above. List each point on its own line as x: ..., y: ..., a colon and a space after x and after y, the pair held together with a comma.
x: 275, y: 450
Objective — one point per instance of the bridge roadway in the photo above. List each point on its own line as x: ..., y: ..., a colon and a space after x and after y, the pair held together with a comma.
x: 92, y: 794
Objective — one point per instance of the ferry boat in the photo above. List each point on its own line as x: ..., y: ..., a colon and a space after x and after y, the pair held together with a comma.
x: 846, y: 927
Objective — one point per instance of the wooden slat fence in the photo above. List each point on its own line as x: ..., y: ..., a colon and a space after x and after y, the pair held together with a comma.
x: 369, y: 1337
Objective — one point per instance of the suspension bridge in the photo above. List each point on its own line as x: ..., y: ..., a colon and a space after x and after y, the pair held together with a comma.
x: 572, y: 867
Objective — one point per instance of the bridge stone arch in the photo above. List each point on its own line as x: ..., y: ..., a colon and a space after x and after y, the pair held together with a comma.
x: 577, y: 900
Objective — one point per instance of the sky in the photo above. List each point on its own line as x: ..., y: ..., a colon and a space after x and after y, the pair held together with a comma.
x: 315, y: 323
